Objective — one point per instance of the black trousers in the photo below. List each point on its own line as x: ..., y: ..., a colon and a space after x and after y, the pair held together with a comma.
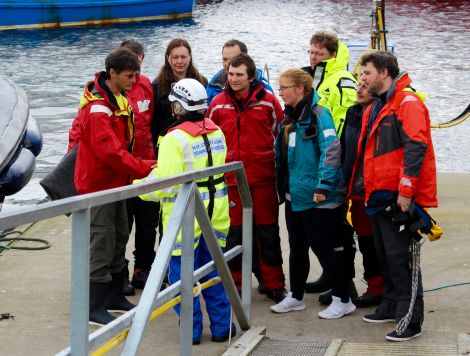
x: 370, y: 260
x: 146, y: 217
x: 321, y: 230
x: 393, y: 250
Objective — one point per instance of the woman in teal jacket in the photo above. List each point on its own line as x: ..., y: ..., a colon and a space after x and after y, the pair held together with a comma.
x: 310, y: 182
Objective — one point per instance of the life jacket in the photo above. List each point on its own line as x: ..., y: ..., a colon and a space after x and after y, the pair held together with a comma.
x: 188, y: 146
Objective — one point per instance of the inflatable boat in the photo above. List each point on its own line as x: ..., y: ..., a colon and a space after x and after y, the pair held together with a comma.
x: 20, y: 139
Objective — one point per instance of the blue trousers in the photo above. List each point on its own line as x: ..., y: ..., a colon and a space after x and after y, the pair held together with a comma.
x: 217, y: 303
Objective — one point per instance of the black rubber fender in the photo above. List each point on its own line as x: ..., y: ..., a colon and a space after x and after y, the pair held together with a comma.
x: 33, y: 136
x: 18, y: 173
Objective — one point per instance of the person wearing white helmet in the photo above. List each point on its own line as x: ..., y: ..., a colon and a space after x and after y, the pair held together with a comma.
x: 193, y: 142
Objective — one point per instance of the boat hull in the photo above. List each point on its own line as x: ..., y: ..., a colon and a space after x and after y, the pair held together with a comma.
x: 20, y: 139
x: 23, y: 14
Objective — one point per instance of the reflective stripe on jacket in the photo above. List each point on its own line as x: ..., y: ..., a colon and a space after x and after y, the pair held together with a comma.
x: 399, y: 154
x: 181, y: 151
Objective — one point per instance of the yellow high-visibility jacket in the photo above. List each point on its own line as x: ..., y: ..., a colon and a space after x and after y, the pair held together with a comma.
x: 335, y: 85
x: 183, y: 149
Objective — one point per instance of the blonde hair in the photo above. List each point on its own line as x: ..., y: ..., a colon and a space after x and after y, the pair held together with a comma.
x: 299, y: 78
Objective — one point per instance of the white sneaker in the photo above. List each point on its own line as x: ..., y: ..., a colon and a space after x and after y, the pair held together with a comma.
x: 288, y: 304
x: 337, y: 309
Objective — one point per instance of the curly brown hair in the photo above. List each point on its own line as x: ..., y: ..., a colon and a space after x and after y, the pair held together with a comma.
x: 326, y: 39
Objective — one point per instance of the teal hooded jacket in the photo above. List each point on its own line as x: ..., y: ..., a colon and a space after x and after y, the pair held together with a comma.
x: 309, y: 160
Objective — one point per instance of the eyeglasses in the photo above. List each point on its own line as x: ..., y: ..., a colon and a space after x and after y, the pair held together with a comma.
x: 281, y: 89
x: 316, y: 53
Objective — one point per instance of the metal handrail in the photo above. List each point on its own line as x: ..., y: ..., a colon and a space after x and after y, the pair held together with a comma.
x: 188, y: 205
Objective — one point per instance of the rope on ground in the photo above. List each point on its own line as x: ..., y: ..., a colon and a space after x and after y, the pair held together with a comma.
x: 44, y: 244
x: 446, y: 286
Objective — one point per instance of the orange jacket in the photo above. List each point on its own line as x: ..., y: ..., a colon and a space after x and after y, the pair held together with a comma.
x: 398, y: 153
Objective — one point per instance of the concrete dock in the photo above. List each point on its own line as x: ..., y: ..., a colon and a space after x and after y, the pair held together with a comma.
x: 35, y: 289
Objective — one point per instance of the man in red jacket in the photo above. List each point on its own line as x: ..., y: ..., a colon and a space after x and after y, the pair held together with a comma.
x: 104, y: 161
x: 248, y: 115
x: 398, y: 170
x: 143, y: 213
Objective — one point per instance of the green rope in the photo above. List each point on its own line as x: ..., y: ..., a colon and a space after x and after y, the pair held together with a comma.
x: 432, y: 289
x: 446, y: 286
x: 11, y: 240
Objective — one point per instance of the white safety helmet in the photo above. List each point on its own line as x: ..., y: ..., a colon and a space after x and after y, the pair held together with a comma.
x: 190, y: 94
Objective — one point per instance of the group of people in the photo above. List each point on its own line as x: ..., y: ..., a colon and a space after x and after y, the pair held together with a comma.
x: 336, y: 140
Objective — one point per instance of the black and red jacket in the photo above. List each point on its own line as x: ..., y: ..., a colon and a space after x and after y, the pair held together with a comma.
x: 398, y: 150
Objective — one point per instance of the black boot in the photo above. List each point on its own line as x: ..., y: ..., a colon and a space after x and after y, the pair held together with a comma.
x: 261, y: 286
x: 127, y: 288
x: 367, y: 300
x: 139, y: 278
x: 318, y: 286
x: 326, y: 297
x: 98, y: 313
x: 115, y: 299
x: 277, y: 295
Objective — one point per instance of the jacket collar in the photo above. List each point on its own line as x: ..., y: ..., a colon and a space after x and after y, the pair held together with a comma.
x: 256, y: 92
x: 196, y: 128
x: 399, y: 83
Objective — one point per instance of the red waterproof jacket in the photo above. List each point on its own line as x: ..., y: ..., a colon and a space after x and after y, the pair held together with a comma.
x: 399, y: 154
x: 106, y: 137
x: 140, y: 98
x: 250, y: 126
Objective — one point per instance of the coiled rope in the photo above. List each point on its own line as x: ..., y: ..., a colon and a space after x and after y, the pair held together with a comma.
x: 416, y: 252
x: 43, y: 244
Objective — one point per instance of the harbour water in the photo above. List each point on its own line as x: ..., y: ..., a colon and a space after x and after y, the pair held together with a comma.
x: 432, y: 41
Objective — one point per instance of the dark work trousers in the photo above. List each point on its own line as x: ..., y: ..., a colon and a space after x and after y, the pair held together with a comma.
x: 108, y: 238
x: 370, y: 260
x: 319, y: 229
x: 145, y: 214
x: 363, y: 226
x: 393, y: 250
x: 267, y: 254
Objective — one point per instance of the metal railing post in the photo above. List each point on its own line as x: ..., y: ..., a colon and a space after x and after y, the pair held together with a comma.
x: 220, y: 263
x: 187, y: 271
x: 80, y: 278
x: 247, y: 233
x: 80, y: 342
x: 154, y: 281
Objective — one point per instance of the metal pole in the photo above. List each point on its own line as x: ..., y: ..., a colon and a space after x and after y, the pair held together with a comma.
x: 247, y: 233
x: 80, y: 282
x: 154, y: 281
x: 219, y: 261
x: 187, y: 270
